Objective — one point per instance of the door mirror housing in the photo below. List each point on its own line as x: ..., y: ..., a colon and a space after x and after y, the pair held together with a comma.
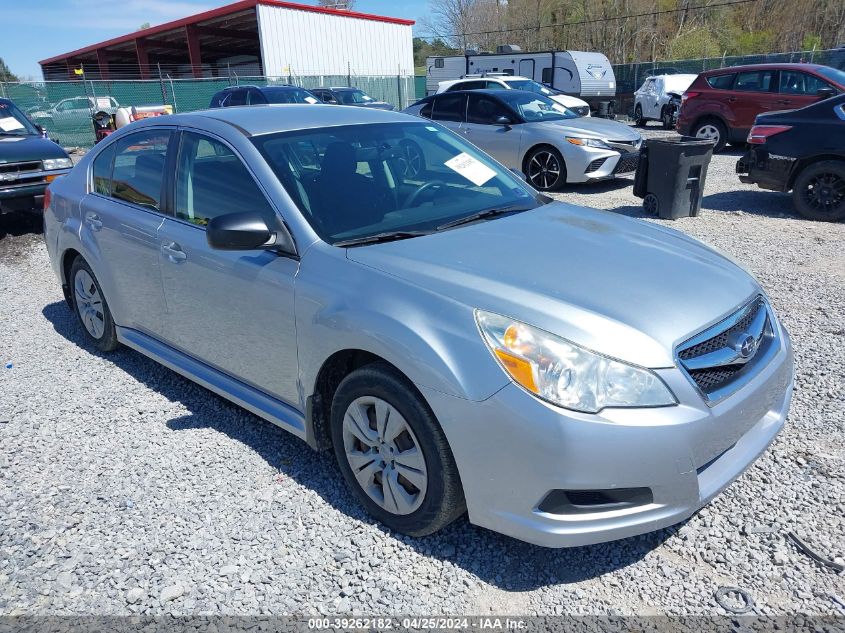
x: 502, y: 120
x: 246, y: 232
x: 825, y: 93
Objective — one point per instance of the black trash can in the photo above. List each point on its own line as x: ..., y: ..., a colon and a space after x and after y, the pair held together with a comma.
x: 671, y: 175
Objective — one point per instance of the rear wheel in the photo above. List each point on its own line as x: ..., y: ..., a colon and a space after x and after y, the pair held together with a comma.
x: 545, y: 169
x: 393, y: 453
x: 91, y: 307
x: 666, y: 118
x: 819, y: 191
x: 651, y: 205
x: 639, y: 121
x: 714, y: 130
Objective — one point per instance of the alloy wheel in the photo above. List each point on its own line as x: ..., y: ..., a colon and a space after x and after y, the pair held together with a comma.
x: 384, y: 455
x: 825, y: 192
x: 543, y: 170
x: 89, y: 304
x: 708, y: 131
x: 412, y: 160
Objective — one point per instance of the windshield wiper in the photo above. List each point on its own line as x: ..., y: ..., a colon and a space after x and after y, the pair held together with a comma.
x: 388, y: 236
x: 480, y: 215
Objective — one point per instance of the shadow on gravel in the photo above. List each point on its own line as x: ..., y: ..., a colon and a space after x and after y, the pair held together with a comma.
x: 770, y: 204
x: 496, y: 559
x: 17, y: 232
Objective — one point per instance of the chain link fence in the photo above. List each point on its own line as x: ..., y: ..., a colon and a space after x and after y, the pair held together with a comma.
x: 629, y: 77
x: 65, y: 108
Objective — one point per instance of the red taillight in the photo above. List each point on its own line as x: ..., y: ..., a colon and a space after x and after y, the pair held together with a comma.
x: 689, y: 94
x: 759, y: 134
x: 47, y: 196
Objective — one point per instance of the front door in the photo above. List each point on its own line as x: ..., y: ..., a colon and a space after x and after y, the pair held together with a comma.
x: 797, y: 89
x: 232, y: 310
x: 120, y: 222
x: 502, y: 142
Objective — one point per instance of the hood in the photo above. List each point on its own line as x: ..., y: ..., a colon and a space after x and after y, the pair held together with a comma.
x: 16, y: 149
x: 595, y: 127
x: 626, y: 288
x: 570, y: 102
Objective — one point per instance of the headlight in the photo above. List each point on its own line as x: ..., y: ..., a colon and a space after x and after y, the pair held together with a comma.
x: 588, y: 142
x: 57, y: 163
x: 566, y: 374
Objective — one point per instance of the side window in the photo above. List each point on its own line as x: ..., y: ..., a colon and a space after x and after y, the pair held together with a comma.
x: 237, y: 98
x: 138, y: 170
x: 438, y: 63
x: 755, y: 81
x: 101, y: 171
x: 255, y: 97
x: 794, y: 82
x: 721, y: 82
x: 449, y: 108
x: 546, y: 77
x: 485, y: 110
x: 495, y: 85
x: 426, y: 109
x: 211, y: 180
x: 64, y: 106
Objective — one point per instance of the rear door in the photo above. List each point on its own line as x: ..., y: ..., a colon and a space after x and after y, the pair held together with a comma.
x: 449, y: 109
x: 232, y: 310
x: 502, y: 142
x: 754, y: 91
x: 120, y: 221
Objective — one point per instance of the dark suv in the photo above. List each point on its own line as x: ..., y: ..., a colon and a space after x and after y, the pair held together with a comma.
x: 721, y: 104
x: 350, y: 97
x: 28, y: 161
x: 258, y: 95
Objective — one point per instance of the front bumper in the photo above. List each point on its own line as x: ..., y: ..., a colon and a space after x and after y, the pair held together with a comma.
x: 512, y: 450
x: 593, y: 164
x: 29, y: 194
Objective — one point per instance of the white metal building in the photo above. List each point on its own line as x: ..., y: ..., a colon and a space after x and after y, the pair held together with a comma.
x: 274, y: 37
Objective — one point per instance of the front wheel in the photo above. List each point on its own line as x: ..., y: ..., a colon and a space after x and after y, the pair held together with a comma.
x: 639, y: 120
x: 819, y: 191
x: 667, y: 119
x: 393, y: 453
x: 545, y: 169
x: 713, y: 130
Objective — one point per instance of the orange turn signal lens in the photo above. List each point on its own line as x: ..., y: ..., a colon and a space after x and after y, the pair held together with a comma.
x: 519, y: 369
x: 52, y: 177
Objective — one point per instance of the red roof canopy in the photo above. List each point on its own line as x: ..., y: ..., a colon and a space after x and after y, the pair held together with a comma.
x: 221, y: 12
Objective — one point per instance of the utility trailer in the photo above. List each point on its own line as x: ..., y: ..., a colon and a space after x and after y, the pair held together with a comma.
x: 587, y: 75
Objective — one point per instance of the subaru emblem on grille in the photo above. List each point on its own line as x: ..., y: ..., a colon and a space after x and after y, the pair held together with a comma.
x: 745, y: 345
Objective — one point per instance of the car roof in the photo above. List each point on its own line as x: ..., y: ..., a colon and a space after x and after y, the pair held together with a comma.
x: 773, y: 66
x: 268, y: 119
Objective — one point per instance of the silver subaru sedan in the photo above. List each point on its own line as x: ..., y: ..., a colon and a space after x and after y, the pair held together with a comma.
x: 531, y: 133
x: 377, y: 286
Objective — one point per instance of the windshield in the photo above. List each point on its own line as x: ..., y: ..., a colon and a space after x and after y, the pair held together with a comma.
x: 353, y: 96
x: 534, y: 107
x: 13, y: 122
x: 531, y: 86
x: 834, y: 74
x: 362, y: 180
x: 289, y: 95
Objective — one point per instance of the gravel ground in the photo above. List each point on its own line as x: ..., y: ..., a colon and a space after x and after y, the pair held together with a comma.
x: 125, y: 488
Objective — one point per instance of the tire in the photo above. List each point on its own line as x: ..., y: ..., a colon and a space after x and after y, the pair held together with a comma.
x: 639, y: 120
x: 712, y: 129
x: 819, y: 191
x: 545, y: 168
x: 91, y: 308
x: 651, y: 205
x: 417, y: 505
x: 666, y: 118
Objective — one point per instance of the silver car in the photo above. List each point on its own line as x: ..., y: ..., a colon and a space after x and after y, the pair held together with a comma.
x: 531, y: 133
x: 462, y: 343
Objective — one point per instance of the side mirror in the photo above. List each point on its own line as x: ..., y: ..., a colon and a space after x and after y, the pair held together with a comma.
x: 246, y: 232
x: 502, y: 120
x: 825, y: 93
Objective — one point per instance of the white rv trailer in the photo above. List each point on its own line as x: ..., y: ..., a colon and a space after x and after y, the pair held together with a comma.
x: 582, y: 74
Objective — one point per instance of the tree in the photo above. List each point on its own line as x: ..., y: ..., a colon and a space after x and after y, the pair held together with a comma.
x: 343, y: 5
x: 5, y: 73
x: 145, y: 25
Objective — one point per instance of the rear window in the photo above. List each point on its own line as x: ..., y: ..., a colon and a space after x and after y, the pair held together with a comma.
x: 449, y: 108
x: 721, y: 82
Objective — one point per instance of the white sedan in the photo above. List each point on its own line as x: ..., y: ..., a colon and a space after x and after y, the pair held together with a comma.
x: 513, y: 82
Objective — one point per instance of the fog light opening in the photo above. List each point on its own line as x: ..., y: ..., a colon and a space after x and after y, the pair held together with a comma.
x: 590, y: 501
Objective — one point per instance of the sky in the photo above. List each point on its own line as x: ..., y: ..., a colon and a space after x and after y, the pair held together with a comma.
x: 38, y: 29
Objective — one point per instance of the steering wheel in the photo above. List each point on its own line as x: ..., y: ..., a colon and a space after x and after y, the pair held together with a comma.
x: 429, y: 185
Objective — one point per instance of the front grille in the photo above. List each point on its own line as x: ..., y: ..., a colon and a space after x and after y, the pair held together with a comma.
x: 595, y: 165
x: 19, y: 168
x: 626, y: 146
x: 627, y: 163
x: 717, y: 358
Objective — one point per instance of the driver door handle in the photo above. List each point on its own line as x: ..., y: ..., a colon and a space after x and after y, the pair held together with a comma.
x: 173, y: 252
x: 93, y: 220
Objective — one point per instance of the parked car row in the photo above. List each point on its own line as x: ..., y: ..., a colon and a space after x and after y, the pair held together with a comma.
x: 260, y: 95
